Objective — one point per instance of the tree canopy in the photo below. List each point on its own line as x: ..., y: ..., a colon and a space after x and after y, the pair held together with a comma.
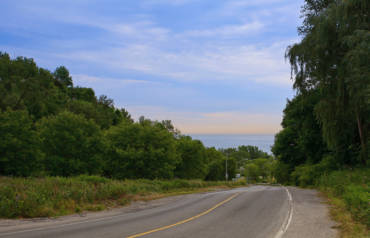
x: 49, y: 126
x: 327, y: 124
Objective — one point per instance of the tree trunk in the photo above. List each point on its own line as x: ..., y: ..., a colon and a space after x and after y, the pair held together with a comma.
x: 362, y: 139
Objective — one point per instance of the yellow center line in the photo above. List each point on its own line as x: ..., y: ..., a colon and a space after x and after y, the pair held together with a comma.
x: 186, y: 220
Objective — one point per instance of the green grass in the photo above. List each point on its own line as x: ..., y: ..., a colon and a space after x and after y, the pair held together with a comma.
x: 55, y: 196
x: 348, y: 226
x: 348, y: 192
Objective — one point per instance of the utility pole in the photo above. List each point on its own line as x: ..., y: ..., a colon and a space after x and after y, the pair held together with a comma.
x: 226, y: 174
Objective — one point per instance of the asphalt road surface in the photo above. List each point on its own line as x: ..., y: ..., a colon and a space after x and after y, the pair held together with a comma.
x: 255, y: 212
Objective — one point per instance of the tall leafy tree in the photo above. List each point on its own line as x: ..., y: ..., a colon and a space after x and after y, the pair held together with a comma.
x: 301, y: 140
x: 20, y: 146
x: 217, y: 165
x: 72, y: 144
x: 141, y: 150
x: 61, y: 74
x: 333, y: 57
x: 260, y: 170
x: 194, y: 162
x: 83, y: 94
x: 24, y: 86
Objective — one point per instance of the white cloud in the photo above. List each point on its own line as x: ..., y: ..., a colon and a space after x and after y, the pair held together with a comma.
x: 167, y: 2
x: 144, y: 30
x: 247, y: 3
x: 225, y: 31
x: 204, y: 53
x: 193, y: 55
x: 88, y: 79
x: 238, y: 7
x: 229, y: 63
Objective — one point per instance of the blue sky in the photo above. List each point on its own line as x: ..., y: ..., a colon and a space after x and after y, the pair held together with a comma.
x: 209, y: 66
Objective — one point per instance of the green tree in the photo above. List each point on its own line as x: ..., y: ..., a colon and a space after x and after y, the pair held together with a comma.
x: 217, y: 165
x: 282, y: 172
x: 333, y: 57
x: 122, y: 115
x: 244, y: 153
x: 141, y: 150
x: 193, y: 163
x: 83, y: 94
x: 73, y: 145
x: 24, y: 86
x: 252, y: 172
x: 106, y: 113
x: 20, y: 153
x: 260, y: 170
x: 61, y: 74
x: 251, y: 152
x: 301, y: 140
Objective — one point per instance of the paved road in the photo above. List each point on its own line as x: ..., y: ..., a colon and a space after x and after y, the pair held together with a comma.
x: 257, y: 211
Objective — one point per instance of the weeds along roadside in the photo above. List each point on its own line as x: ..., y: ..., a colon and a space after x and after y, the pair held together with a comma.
x: 348, y: 193
x: 56, y: 196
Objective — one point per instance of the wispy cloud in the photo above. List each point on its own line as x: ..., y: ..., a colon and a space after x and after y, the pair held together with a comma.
x: 145, y: 46
x: 85, y: 79
x: 225, y: 31
x: 167, y: 2
x: 167, y: 59
x: 217, y: 62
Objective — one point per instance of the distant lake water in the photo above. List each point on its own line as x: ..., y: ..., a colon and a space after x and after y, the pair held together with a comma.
x: 263, y: 142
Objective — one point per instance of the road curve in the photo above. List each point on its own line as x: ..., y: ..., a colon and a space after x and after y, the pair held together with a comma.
x: 256, y: 211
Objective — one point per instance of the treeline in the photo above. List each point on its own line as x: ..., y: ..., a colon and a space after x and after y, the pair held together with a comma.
x: 325, y: 141
x: 252, y: 163
x: 326, y: 126
x: 49, y: 127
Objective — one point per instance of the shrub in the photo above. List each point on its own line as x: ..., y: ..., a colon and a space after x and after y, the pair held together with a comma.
x: 353, y: 186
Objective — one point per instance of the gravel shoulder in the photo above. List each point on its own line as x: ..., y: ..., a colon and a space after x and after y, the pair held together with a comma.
x: 310, y: 216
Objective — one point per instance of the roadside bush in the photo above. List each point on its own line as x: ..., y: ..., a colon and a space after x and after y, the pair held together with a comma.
x: 353, y: 186
x: 308, y: 174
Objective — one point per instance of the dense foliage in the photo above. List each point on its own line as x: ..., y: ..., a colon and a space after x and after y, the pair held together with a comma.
x: 50, y: 127
x: 20, y: 146
x: 352, y: 186
x: 72, y: 144
x: 326, y: 126
x: 141, y: 150
x: 260, y: 170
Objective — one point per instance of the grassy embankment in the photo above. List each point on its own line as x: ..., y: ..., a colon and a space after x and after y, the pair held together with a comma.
x: 348, y: 193
x: 56, y: 196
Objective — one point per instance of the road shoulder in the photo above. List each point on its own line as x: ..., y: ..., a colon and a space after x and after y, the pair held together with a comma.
x: 310, y: 216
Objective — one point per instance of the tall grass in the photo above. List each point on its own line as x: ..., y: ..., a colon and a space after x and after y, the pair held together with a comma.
x: 348, y: 191
x: 353, y: 187
x: 54, y: 196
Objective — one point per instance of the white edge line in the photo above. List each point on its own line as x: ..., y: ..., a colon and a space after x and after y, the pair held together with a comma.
x: 289, y: 217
